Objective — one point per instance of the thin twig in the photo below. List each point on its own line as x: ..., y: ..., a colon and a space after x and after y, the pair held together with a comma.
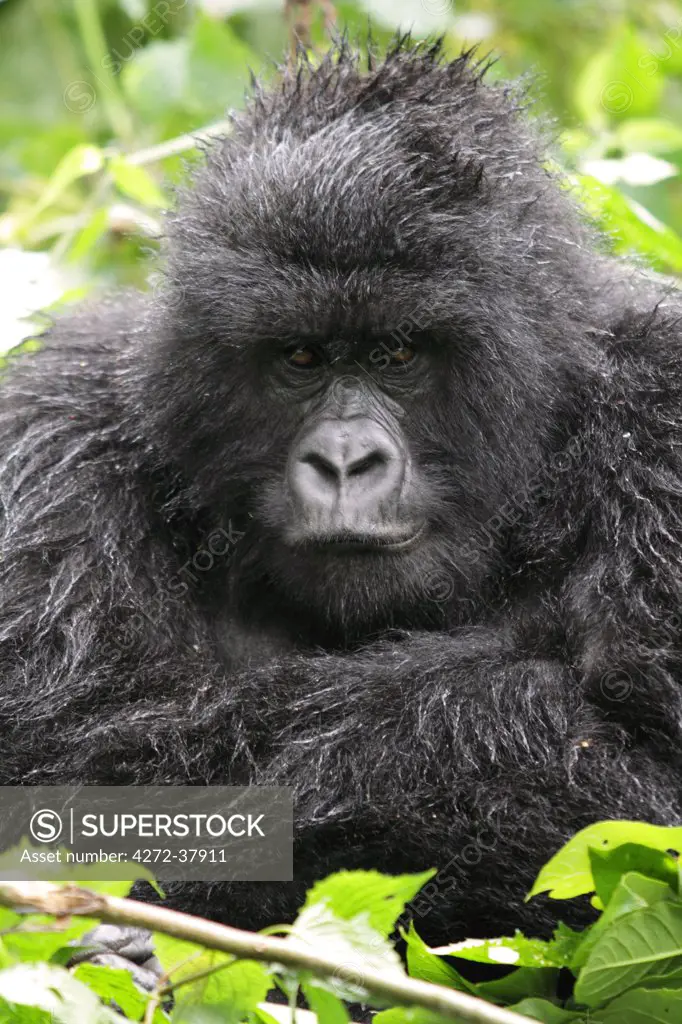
x: 47, y: 898
x: 180, y: 144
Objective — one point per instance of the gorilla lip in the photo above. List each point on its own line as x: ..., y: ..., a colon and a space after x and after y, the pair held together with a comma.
x: 367, y: 542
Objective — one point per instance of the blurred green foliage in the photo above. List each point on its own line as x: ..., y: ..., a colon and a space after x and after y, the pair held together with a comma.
x: 97, y: 98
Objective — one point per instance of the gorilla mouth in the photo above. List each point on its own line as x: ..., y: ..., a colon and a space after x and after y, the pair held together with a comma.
x: 367, y: 542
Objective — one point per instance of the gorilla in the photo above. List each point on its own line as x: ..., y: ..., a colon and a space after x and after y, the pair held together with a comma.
x: 378, y: 496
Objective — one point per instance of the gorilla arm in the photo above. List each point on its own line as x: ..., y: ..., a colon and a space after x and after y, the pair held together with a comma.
x: 405, y: 753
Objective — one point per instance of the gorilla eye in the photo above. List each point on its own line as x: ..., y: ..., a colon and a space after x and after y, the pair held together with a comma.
x: 403, y: 355
x: 303, y: 358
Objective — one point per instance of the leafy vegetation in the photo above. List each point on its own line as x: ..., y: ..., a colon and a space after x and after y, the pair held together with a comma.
x: 625, y: 968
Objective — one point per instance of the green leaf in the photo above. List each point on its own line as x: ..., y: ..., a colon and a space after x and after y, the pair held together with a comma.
x: 113, y: 985
x: 608, y: 866
x: 378, y: 899
x: 78, y: 162
x: 424, y: 964
x: 633, y: 892
x: 259, y: 1014
x: 89, y: 236
x: 9, y: 919
x: 11, y: 1013
x: 569, y: 872
x: 135, y: 182
x: 523, y: 983
x: 353, y: 944
x: 348, y: 917
x: 155, y: 79
x: 235, y: 991
x: 327, y: 1007
x: 641, y: 949
x: 615, y: 82
x: 242, y: 983
x: 33, y: 946
x: 632, y: 227
x: 648, y: 135
x: 643, y: 1006
x: 549, y: 1013
x: 564, y: 944
x: 409, y: 1015
x: 515, y: 951
x: 54, y: 990
x: 218, y: 65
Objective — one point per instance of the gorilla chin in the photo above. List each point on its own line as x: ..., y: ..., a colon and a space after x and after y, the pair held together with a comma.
x: 349, y: 588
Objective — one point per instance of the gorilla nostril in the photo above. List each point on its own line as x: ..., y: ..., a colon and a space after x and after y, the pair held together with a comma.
x: 372, y: 461
x: 323, y: 466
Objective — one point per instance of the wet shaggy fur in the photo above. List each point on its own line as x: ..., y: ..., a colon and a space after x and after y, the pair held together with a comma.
x: 467, y: 705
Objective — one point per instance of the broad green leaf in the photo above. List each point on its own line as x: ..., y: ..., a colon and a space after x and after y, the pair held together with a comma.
x: 242, y: 982
x: 35, y: 945
x: 632, y: 227
x: 53, y: 989
x: 378, y: 899
x: 613, y: 83
x: 262, y: 1016
x: 608, y: 867
x: 569, y: 872
x: 524, y: 983
x: 327, y: 1007
x: 89, y: 236
x: 424, y: 964
x: 408, y: 1015
x: 155, y: 79
x: 643, y: 1006
x: 549, y: 1013
x: 234, y: 991
x: 12, y: 1013
x: 9, y: 919
x: 349, y: 917
x: 78, y: 162
x: 564, y: 943
x: 633, y: 892
x: 179, y: 958
x: 218, y: 65
x: 113, y: 985
x: 136, y: 182
x: 641, y: 949
x: 514, y: 951
x: 648, y: 135
x: 352, y: 943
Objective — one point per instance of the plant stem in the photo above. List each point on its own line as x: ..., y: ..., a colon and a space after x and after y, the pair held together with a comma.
x: 70, y: 899
x: 97, y: 52
x: 180, y: 144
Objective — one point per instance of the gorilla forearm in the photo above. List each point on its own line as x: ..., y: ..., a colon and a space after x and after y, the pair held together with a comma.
x: 447, y: 744
x: 463, y: 709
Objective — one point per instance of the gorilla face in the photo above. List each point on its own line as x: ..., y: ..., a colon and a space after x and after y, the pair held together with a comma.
x: 354, y: 457
x: 349, y: 514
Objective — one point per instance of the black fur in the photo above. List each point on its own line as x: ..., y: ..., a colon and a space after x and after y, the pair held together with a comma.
x: 466, y: 705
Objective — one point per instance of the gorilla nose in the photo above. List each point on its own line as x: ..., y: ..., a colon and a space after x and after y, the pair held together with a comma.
x: 350, y: 466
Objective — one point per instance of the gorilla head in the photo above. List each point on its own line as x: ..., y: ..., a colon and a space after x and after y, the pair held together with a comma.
x: 362, y: 339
